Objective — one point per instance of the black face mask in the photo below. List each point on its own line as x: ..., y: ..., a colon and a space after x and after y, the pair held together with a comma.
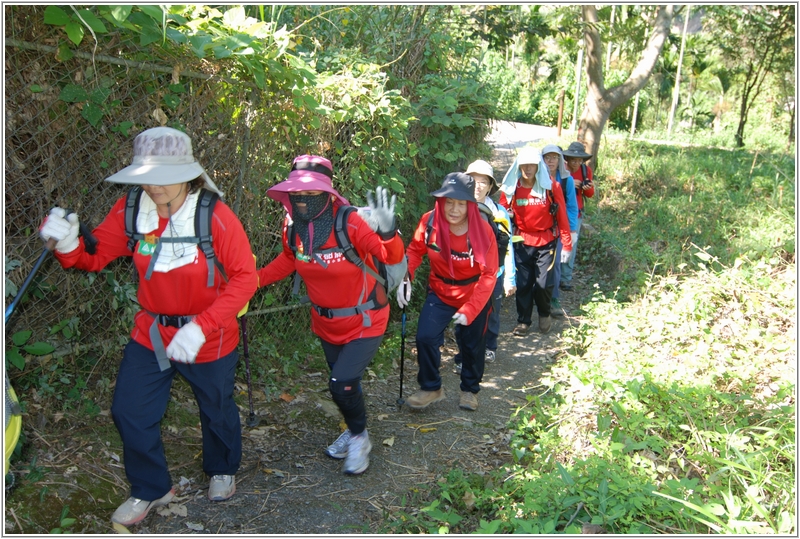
x: 314, y: 204
x: 318, y: 211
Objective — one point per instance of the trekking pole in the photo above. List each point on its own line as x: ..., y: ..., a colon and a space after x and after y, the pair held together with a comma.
x: 90, y: 243
x: 49, y: 246
x: 252, y: 420
x: 401, y: 401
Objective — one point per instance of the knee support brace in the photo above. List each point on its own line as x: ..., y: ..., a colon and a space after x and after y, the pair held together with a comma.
x: 348, y: 397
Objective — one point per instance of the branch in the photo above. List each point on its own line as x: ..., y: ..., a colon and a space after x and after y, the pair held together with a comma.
x: 640, y: 74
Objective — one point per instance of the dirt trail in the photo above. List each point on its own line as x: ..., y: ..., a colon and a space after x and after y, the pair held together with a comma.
x: 286, y: 485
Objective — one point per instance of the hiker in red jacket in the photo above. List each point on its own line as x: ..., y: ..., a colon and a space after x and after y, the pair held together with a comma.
x: 349, y: 308
x: 536, y: 204
x: 575, y: 158
x: 462, y: 250
x: 187, y: 323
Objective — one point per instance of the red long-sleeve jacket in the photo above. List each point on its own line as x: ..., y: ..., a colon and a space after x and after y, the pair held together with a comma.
x: 182, y: 291
x: 577, y: 176
x: 341, y: 284
x: 469, y: 299
x: 532, y: 216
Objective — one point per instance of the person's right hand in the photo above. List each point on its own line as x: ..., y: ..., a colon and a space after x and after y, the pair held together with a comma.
x: 62, y: 228
x: 404, y: 293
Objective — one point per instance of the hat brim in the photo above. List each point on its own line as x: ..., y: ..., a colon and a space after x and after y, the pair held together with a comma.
x: 157, y: 174
x: 450, y: 191
x: 582, y: 155
x: 303, y: 180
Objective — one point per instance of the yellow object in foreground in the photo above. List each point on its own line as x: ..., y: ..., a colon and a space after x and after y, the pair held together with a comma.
x: 13, y: 424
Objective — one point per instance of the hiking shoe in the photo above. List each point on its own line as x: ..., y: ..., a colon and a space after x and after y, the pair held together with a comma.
x: 555, y: 308
x: 358, y: 448
x: 338, y: 449
x: 221, y: 487
x: 469, y: 401
x: 544, y: 323
x: 489, y: 356
x: 566, y: 287
x: 521, y: 330
x: 421, y: 399
x: 134, y: 510
x: 458, y: 368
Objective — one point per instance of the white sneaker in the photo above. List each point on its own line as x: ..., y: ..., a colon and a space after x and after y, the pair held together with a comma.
x: 489, y: 356
x: 134, y: 510
x: 338, y: 449
x: 221, y: 487
x: 357, y: 460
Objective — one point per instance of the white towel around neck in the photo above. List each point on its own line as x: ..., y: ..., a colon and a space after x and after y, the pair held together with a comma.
x: 172, y: 255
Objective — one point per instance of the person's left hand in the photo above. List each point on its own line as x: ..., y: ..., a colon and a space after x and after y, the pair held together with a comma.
x: 460, y: 318
x: 565, y: 256
x: 382, y: 212
x: 186, y: 343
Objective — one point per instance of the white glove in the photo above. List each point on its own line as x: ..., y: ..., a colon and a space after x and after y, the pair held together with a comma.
x: 404, y: 293
x: 460, y: 318
x: 64, y: 231
x: 565, y: 256
x: 186, y: 343
x: 574, y: 236
x: 382, y: 212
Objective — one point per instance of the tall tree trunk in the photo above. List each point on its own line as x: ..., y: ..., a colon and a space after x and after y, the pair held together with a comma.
x: 600, y: 102
x: 578, y: 71
x: 676, y: 92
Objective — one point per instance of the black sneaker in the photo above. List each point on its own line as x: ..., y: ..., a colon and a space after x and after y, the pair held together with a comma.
x: 566, y: 287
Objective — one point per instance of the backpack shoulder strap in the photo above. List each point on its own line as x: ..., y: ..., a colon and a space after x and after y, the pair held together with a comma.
x: 343, y: 238
x: 202, y: 227
x: 131, y: 211
x: 486, y: 213
x: 428, y: 230
x: 344, y: 243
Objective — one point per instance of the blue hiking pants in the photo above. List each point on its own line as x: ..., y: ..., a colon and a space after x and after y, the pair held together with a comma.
x: 140, y: 400
x: 568, y: 267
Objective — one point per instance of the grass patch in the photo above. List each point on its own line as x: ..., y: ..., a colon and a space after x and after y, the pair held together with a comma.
x: 672, y: 406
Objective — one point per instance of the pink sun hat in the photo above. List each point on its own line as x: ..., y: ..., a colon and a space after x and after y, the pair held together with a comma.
x: 309, y: 173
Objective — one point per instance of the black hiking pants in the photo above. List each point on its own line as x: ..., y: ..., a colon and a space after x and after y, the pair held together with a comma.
x: 533, y: 264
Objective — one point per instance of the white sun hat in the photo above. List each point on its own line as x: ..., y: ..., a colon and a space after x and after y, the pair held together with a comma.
x: 162, y: 156
x: 482, y: 167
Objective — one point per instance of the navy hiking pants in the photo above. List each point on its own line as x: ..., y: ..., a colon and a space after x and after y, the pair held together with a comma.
x: 140, y: 400
x: 433, y: 320
x: 493, y: 329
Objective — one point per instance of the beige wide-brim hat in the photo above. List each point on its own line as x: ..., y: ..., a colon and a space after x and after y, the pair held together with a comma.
x: 482, y: 167
x: 162, y: 156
